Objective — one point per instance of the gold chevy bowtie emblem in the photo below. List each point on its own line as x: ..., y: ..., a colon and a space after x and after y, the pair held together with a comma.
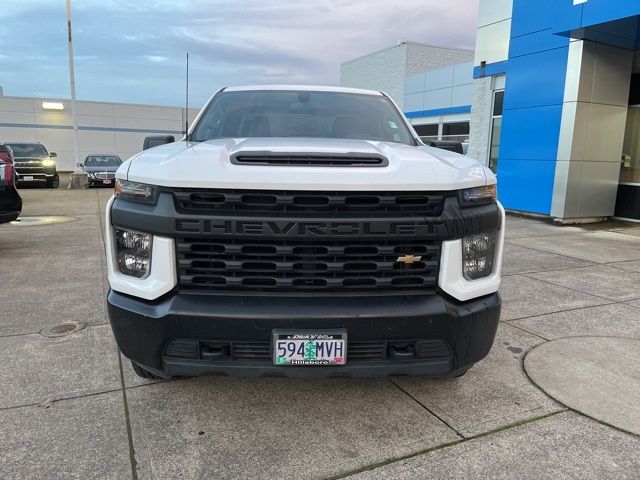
x: 409, y: 259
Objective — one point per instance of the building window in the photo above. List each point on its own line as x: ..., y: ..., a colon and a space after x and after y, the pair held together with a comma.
x: 427, y: 133
x: 456, y: 132
x: 496, y: 129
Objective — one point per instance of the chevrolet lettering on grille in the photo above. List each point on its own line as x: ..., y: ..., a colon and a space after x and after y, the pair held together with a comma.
x: 305, y: 229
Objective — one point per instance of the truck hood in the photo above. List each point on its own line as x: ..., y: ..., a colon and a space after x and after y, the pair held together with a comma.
x: 208, y: 165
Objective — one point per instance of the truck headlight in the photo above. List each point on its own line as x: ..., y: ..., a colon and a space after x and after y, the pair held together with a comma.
x: 136, y: 192
x: 471, y: 197
x: 47, y: 162
x: 478, y: 252
x: 133, y: 251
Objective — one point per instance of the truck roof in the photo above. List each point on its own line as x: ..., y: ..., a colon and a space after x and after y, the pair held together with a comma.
x: 303, y: 88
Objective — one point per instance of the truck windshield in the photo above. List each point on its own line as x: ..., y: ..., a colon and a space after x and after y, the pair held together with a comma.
x: 302, y: 114
x: 28, y: 150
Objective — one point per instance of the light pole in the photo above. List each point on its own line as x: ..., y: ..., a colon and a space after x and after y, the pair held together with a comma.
x: 72, y: 81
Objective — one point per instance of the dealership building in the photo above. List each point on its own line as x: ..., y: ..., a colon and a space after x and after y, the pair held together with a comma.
x: 555, y: 105
x: 433, y: 85
x: 102, y: 127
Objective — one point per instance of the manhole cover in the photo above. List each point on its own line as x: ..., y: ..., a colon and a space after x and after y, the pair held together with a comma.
x: 35, y: 221
x: 62, y: 329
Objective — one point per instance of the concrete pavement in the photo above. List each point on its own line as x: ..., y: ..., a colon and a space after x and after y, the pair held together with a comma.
x: 71, y: 407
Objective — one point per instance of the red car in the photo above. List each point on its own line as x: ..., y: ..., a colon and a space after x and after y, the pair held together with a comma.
x: 10, y: 201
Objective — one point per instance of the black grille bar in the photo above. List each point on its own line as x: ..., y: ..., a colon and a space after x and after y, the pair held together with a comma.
x: 249, y: 202
x: 306, y: 266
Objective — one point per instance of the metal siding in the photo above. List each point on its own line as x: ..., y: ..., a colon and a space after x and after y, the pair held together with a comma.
x: 601, y: 11
x: 531, y: 16
x: 530, y: 134
x: 537, y: 79
x: 535, y: 42
x: 532, y: 195
x: 534, y: 96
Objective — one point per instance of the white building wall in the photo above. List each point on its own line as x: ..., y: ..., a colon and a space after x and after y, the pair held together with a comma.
x: 492, y: 46
x: 383, y: 70
x: 386, y: 69
x: 446, y: 87
x: 102, y: 127
x: 494, y: 31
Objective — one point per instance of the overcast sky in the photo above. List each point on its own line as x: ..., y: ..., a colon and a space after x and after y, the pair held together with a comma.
x: 128, y: 51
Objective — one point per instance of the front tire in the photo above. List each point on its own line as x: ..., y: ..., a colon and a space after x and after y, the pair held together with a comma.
x: 54, y: 182
x: 143, y: 372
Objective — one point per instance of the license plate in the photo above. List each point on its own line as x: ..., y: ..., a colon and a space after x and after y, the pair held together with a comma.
x: 106, y: 182
x: 28, y: 178
x: 309, y: 347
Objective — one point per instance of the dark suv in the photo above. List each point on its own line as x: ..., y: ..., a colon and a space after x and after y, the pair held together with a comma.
x: 33, y: 163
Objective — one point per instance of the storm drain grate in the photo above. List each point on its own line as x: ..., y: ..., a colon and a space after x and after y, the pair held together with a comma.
x: 62, y: 329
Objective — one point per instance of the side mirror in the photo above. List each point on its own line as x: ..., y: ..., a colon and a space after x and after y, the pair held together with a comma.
x: 53, y: 154
x: 81, y: 165
x: 448, y: 145
x: 150, y: 142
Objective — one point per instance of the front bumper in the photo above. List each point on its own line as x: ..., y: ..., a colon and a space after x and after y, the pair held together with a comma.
x: 98, y: 182
x: 38, y: 176
x: 144, y: 331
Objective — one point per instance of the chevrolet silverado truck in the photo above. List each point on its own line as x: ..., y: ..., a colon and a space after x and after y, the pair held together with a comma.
x: 303, y: 232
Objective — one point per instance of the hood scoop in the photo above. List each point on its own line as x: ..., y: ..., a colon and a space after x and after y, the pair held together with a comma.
x: 306, y: 160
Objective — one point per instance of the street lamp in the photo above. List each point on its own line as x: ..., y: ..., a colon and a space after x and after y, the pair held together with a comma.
x: 72, y: 81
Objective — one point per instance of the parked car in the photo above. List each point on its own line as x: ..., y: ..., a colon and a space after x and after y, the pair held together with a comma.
x: 33, y: 163
x: 10, y: 201
x: 303, y: 232
x: 101, y: 169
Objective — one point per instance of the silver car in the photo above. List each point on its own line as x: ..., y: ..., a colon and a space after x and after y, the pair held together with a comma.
x: 101, y: 169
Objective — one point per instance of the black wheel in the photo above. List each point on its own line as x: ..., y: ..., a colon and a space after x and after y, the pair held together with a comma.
x: 54, y: 182
x: 143, y: 372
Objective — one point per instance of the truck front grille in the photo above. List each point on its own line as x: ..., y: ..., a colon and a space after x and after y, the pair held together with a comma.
x: 340, y: 266
x: 280, y: 202
x: 105, y: 175
x: 31, y: 169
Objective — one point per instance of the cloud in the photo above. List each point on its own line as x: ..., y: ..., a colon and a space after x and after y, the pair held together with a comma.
x: 131, y: 52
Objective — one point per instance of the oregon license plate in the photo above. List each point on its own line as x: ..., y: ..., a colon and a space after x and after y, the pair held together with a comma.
x: 28, y: 178
x: 309, y: 347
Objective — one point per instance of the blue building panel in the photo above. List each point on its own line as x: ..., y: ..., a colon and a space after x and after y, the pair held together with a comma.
x: 530, y: 133
x: 491, y: 69
x: 531, y: 16
x: 439, y: 111
x: 537, y: 79
x: 595, y: 12
x: 526, y: 185
x: 535, y: 42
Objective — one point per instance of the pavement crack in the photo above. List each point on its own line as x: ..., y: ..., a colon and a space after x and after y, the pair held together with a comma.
x: 132, y: 452
x: 426, y: 451
x: 426, y: 408
x: 609, y: 300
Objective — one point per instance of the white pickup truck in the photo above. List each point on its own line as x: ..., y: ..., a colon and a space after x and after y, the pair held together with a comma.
x: 303, y: 232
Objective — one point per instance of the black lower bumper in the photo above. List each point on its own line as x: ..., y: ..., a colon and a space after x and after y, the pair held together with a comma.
x: 169, y: 337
